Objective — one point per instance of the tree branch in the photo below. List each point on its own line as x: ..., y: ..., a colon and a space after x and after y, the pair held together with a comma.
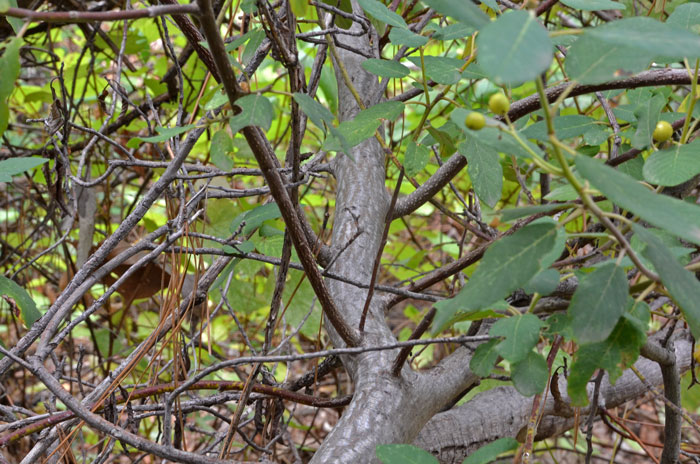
x: 268, y: 164
x: 98, y: 16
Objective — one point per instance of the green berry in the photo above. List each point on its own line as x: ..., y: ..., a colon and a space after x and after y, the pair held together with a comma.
x: 499, y: 104
x: 663, y: 131
x: 475, y: 121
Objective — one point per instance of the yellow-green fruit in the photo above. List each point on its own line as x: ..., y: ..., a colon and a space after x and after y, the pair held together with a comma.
x: 499, y: 104
x: 663, y: 131
x: 475, y: 121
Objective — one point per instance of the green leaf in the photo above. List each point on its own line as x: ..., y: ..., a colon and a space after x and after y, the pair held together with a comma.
x: 13, y: 166
x: 515, y: 48
x: 490, y: 452
x: 9, y: 71
x: 678, y: 217
x: 385, y: 68
x: 166, y: 133
x: 566, y: 127
x: 400, y: 36
x: 491, y: 4
x: 443, y: 138
x: 219, y: 98
x: 30, y: 314
x: 647, y: 114
x: 598, y: 303
x: 686, y: 16
x: 220, y: 147
x: 255, y: 217
x: 530, y: 375
x: 484, y: 169
x: 16, y: 23
x: 231, y: 46
x: 593, y: 5
x: 511, y: 214
x: 674, y: 165
x: 318, y: 113
x: 256, y: 39
x: 485, y: 356
x: 452, y: 32
x: 389, y: 111
x: 256, y: 110
x: 648, y: 35
x: 363, y: 126
x: 591, y: 60
x: 543, y: 283
x: 380, y: 12
x: 619, y: 351
x: 417, y: 157
x: 460, y: 10
x: 521, y: 332
x: 682, y: 285
x: 441, y: 69
x: 9, y: 68
x: 404, y: 454
x: 507, y: 265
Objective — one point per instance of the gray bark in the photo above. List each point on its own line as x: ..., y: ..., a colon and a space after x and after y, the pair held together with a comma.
x: 502, y: 412
x: 384, y: 409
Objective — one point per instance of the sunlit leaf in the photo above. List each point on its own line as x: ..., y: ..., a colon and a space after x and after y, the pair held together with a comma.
x: 30, y: 314
x: 9, y: 71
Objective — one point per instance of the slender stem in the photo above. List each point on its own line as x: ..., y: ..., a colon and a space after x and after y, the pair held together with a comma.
x: 583, y: 194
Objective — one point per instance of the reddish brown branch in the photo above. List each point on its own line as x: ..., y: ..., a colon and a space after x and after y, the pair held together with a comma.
x: 405, y: 351
x: 267, y: 160
x: 94, y: 16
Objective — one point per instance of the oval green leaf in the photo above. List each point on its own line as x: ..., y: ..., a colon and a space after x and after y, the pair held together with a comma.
x: 598, y: 303
x: 385, y: 68
x: 515, y: 48
x: 673, y: 165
